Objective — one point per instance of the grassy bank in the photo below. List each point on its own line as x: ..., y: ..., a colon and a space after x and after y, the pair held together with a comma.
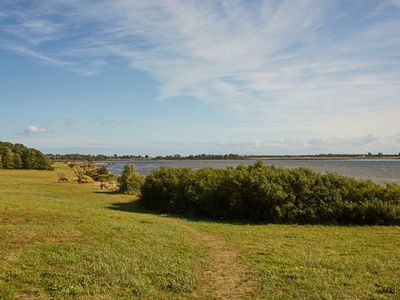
x: 69, y: 240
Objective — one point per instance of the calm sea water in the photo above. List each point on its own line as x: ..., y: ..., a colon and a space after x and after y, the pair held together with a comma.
x: 379, y: 170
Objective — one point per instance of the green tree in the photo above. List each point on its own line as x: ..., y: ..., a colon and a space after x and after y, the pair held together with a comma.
x: 29, y: 159
x: 18, y: 164
x: 34, y: 159
x: 130, y: 181
x: 8, y: 159
x: 42, y: 162
x: 17, y: 156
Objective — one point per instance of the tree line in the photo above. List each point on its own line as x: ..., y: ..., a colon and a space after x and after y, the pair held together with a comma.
x: 18, y: 156
x: 202, y: 157
x: 102, y: 157
x: 92, y: 158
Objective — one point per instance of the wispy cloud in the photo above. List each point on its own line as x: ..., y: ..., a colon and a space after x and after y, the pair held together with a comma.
x: 103, y: 121
x: 292, y: 63
x: 70, y: 121
x: 395, y: 2
x: 27, y: 52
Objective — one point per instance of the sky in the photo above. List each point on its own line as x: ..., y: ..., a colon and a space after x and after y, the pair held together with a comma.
x: 164, y: 77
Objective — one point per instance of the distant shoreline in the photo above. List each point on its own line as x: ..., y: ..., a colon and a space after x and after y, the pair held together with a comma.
x: 379, y: 170
x: 263, y: 158
x: 308, y: 157
x: 99, y: 158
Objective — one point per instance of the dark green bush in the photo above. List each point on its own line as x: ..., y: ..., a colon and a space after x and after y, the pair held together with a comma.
x: 269, y: 194
x: 130, y: 181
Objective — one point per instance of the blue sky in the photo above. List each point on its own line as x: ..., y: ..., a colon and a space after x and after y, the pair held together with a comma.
x: 165, y: 77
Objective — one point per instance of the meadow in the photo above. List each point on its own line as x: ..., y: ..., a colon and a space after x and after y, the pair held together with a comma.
x: 68, y: 240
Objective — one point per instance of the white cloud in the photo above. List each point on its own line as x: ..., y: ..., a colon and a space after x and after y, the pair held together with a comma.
x: 119, y: 121
x: 35, y: 129
x: 289, y: 64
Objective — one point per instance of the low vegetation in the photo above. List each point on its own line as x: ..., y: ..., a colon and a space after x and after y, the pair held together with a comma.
x: 269, y: 194
x: 87, y: 173
x: 75, y: 241
x: 17, y: 156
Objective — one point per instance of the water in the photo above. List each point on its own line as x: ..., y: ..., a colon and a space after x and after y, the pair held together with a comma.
x: 379, y: 170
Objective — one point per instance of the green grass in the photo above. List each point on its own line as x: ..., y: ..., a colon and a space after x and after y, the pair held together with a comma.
x: 75, y: 241
x: 317, y: 262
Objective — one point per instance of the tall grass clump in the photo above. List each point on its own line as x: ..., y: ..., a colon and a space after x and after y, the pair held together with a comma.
x: 269, y: 194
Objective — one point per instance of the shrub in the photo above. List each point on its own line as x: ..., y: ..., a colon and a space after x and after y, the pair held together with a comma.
x: 79, y: 172
x: 95, y: 172
x: 62, y: 177
x: 81, y: 176
x: 107, y: 178
x: 269, y: 194
x: 130, y: 181
x: 85, y: 179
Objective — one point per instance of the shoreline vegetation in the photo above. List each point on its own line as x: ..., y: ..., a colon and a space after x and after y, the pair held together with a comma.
x: 101, y: 157
x: 270, y: 194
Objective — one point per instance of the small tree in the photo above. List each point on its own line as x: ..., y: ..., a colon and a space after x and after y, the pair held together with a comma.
x: 130, y: 181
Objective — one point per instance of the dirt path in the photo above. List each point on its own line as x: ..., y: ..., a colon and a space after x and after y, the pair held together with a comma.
x: 225, y: 272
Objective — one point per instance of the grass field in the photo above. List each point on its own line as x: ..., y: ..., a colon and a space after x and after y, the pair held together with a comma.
x: 64, y: 240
